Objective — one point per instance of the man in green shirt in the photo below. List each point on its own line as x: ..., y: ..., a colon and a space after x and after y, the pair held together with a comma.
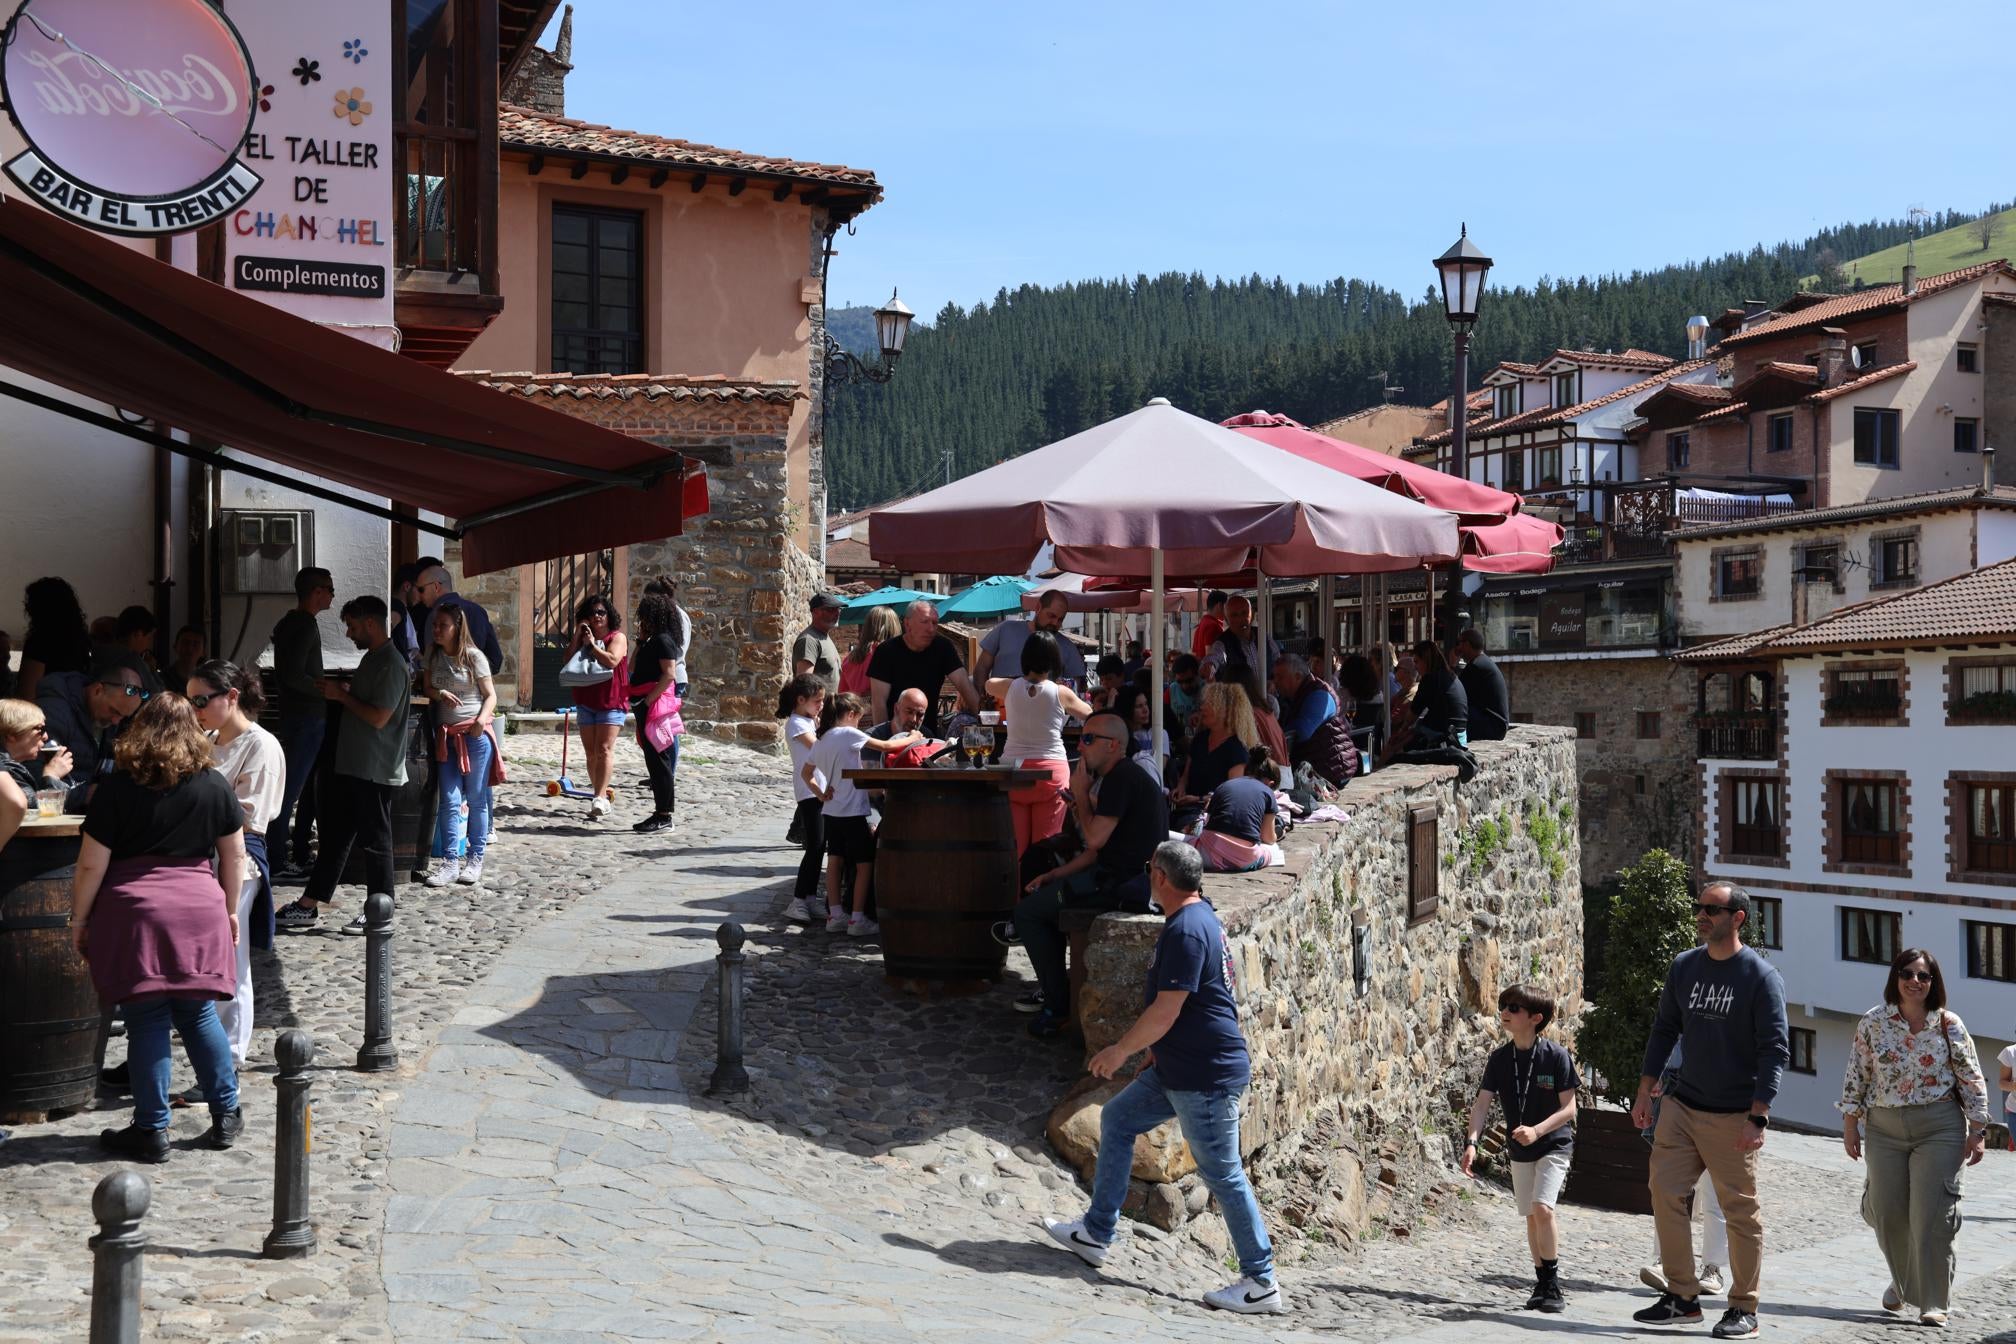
x: 370, y: 766
x: 813, y: 653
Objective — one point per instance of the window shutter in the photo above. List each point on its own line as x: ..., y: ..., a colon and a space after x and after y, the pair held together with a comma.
x: 1424, y: 870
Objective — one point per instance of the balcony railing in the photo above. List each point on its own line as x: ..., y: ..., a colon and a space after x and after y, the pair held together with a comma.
x: 1639, y: 515
x: 1738, y: 737
x: 439, y: 225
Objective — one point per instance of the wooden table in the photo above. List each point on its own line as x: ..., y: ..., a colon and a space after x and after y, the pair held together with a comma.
x: 48, y: 1009
x: 946, y: 870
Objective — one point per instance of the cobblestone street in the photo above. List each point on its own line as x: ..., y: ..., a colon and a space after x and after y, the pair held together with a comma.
x: 544, y: 1166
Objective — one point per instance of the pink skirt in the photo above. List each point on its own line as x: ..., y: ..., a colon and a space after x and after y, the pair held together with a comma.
x: 159, y: 926
x: 1229, y: 854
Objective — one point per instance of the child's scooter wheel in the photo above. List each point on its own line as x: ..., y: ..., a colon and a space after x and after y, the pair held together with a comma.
x: 552, y: 788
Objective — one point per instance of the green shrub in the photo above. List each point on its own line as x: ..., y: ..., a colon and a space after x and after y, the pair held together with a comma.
x: 1650, y: 921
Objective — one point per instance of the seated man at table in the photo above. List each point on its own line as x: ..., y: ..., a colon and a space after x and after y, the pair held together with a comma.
x: 1312, y: 722
x: 908, y: 717
x: 1123, y: 815
x: 84, y: 711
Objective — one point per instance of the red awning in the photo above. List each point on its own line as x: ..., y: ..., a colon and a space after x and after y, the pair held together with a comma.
x: 523, y: 483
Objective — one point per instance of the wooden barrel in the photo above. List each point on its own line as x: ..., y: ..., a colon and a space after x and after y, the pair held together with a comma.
x: 1611, y: 1164
x: 48, y: 1009
x: 945, y: 873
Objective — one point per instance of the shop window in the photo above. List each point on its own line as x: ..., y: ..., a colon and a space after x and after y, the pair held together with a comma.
x: 1966, y: 436
x: 1991, y: 950
x: 1677, y: 446
x: 1778, y: 434
x: 1991, y: 828
x: 1876, y: 437
x: 598, y: 290
x: 1967, y: 357
x: 1804, y: 1040
x: 1753, y: 812
x: 1871, y: 936
x: 1585, y: 723
x: 1648, y: 725
x: 1869, y: 825
x: 1767, y: 927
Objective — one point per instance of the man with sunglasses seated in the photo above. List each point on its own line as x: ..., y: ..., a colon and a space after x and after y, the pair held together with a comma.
x: 85, y: 711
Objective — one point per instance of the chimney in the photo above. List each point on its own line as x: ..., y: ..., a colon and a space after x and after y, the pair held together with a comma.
x: 1831, y: 359
x: 563, y: 45
x: 541, y: 82
x: 1987, y: 468
x: 1910, y: 279
x: 1799, y: 596
x: 1697, y: 337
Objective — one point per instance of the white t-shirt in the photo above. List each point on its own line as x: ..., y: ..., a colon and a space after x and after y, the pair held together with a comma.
x: 256, y: 765
x: 832, y: 755
x: 795, y: 727
x: 2008, y: 1060
x: 1035, y: 713
x: 454, y: 674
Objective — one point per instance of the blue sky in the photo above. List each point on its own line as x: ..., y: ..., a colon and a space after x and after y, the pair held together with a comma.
x: 1043, y: 142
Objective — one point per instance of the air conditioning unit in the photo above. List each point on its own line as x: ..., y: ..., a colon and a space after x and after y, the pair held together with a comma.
x: 262, y: 550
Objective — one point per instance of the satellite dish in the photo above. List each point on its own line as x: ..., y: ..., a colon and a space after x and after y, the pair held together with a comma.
x: 1855, y: 356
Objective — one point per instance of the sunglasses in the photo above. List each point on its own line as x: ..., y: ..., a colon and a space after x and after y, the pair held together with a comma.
x: 1703, y: 908
x: 1922, y: 977
x: 202, y: 701
x: 128, y: 691
x: 1100, y: 737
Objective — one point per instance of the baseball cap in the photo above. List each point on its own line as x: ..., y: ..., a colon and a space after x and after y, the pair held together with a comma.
x: 828, y: 602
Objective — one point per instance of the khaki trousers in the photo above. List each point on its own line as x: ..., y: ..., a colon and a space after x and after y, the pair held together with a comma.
x: 1687, y: 1143
x: 1912, y: 1199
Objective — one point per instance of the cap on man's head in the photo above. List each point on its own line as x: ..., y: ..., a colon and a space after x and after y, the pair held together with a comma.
x: 827, y: 602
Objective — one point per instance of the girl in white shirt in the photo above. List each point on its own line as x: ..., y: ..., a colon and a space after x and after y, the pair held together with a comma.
x: 800, y: 704
x: 1036, y: 705
x: 849, y: 838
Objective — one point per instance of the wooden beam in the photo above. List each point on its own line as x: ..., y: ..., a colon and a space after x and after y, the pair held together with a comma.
x: 619, y: 174
x: 737, y: 187
x: 579, y: 170
x: 536, y: 166
x: 813, y: 196
x: 783, y: 190
x: 699, y: 181
x: 658, y: 176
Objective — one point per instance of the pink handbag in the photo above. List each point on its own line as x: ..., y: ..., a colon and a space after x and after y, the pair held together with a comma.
x: 663, y: 723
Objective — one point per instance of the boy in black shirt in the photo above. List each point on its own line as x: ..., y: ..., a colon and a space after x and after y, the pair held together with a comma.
x: 1535, y: 1082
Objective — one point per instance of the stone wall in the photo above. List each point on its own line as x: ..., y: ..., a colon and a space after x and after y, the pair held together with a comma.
x: 1355, y: 1088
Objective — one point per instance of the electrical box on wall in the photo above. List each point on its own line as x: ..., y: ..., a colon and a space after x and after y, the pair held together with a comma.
x: 263, y: 550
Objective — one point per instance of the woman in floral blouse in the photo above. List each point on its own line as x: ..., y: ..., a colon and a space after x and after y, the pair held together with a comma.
x: 1914, y: 1084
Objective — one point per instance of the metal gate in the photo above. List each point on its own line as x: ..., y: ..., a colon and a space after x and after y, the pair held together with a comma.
x: 558, y: 588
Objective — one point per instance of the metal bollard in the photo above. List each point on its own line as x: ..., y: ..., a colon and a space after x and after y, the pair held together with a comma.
x: 119, y: 1202
x: 378, y: 1053
x: 729, y: 1075
x: 292, y: 1235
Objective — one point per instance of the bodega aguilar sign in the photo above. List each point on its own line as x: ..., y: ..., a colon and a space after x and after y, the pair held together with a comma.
x: 134, y: 112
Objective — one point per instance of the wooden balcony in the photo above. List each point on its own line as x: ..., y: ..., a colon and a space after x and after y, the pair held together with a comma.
x: 1728, y: 736
x: 1640, y: 515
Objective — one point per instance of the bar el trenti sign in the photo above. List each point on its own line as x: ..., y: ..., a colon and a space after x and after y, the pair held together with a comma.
x: 134, y: 112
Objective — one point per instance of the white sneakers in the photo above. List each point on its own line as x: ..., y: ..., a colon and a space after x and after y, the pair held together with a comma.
x: 800, y: 913
x: 449, y: 872
x: 1071, y: 1235
x: 1248, y: 1297
x: 860, y: 926
x: 1712, y: 1279
x: 836, y: 921
x: 472, y: 873
x: 600, y: 808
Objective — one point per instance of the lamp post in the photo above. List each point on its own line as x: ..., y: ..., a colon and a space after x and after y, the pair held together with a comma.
x: 1463, y: 268
x: 892, y: 328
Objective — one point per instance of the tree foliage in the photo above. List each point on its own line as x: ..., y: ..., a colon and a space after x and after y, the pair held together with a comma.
x: 1651, y: 921
x: 1036, y: 364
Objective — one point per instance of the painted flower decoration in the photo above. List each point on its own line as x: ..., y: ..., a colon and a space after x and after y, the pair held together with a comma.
x: 354, y: 51
x: 307, y: 71
x: 266, y: 98
x: 350, y: 103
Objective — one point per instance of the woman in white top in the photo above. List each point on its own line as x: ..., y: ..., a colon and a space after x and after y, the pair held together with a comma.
x: 225, y: 697
x: 1035, y: 706
x: 457, y: 678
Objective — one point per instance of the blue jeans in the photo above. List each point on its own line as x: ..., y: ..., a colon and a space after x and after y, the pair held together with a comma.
x: 301, y: 740
x: 147, y: 1046
x: 472, y: 787
x: 1210, y: 1124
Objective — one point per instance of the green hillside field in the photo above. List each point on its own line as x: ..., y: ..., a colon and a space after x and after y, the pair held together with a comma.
x: 1948, y: 250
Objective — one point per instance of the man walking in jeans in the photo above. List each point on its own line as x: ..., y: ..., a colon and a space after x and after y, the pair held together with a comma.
x: 1197, y: 1074
x: 370, y: 765
x: 1726, y: 1007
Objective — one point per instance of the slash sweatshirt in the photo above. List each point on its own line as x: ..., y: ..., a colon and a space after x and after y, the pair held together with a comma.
x: 1730, y: 1018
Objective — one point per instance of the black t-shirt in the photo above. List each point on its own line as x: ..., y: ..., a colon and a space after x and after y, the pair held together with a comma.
x: 1528, y: 1085
x: 648, y: 658
x: 57, y: 653
x: 1441, y: 705
x: 1133, y: 796
x: 184, y: 822
x: 1208, y: 768
x: 1490, y: 708
x: 904, y: 668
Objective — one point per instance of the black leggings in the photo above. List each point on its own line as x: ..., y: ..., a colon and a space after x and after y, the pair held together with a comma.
x: 811, y: 823
x: 661, y: 767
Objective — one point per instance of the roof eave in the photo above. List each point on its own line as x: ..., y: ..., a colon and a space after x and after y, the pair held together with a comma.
x: 838, y: 195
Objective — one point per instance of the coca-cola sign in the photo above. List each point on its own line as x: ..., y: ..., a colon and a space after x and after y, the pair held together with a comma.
x: 134, y: 111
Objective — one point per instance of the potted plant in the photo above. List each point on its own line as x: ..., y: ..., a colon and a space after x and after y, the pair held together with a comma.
x: 1650, y: 922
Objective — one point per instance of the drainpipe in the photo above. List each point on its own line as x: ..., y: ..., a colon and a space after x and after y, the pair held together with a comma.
x: 164, y: 525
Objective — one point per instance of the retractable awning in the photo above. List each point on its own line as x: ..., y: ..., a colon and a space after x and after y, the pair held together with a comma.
x: 523, y: 483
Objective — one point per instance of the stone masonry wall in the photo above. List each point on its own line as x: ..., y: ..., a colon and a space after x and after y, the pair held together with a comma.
x: 1355, y: 1090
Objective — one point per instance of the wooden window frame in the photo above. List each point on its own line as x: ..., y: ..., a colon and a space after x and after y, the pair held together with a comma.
x: 1966, y: 357
x: 1803, y: 1060
x: 1968, y: 856
x: 1991, y: 948
x: 1856, y: 918
x: 1585, y: 718
x: 1769, y: 912
x: 1957, y: 693
x: 1564, y: 399
x: 1424, y: 862
x: 1880, y: 574
x: 1835, y: 676
x: 1679, y: 449
x: 1835, y: 844
x: 1732, y: 781
x: 1720, y: 557
x: 1653, y: 716
x: 639, y: 334
x: 1772, y: 425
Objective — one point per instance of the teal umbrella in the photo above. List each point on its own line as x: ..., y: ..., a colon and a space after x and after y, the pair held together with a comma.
x: 990, y: 597
x: 858, y: 607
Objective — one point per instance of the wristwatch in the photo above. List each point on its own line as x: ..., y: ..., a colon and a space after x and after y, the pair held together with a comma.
x: 1761, y: 1121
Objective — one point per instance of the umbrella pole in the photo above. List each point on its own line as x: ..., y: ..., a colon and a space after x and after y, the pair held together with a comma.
x: 1158, y: 657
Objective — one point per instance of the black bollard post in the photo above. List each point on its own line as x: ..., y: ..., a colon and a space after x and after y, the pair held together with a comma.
x: 292, y: 1235
x: 119, y: 1202
x: 378, y: 1053
x: 729, y: 1075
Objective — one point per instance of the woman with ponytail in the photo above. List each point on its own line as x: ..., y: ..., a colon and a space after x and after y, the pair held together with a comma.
x: 1240, y: 834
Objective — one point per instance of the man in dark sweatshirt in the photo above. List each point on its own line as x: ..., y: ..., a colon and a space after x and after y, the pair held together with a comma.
x: 1726, y: 1004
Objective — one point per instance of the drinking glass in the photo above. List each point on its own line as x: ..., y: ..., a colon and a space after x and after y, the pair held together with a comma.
x: 49, y: 802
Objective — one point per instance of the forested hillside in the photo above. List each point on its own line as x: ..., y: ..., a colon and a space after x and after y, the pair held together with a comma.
x: 1036, y: 364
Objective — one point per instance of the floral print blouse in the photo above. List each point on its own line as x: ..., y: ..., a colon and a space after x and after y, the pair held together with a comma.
x: 1892, y: 1065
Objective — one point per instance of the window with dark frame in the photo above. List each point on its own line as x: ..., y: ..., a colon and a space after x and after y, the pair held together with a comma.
x: 1767, y: 927
x: 1755, y: 819
x: 1648, y: 724
x: 1737, y: 575
x: 1869, y: 832
x: 1984, y: 691
x: 1822, y: 562
x: 1778, y: 434
x: 1967, y: 357
x: 1876, y: 437
x: 1676, y: 451
x: 1871, y: 936
x: 1864, y: 693
x: 598, y: 290
x: 1966, y: 435
x: 1548, y: 470
x: 1991, y: 828
x: 1564, y: 389
x: 1991, y: 950
x: 1585, y: 723
x: 1896, y: 560
x: 1804, y: 1041
x: 1508, y: 401
x: 1865, y: 355
x: 1424, y: 867
x: 1515, y: 471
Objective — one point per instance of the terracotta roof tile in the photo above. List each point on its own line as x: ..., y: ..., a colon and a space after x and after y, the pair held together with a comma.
x: 1931, y: 501
x: 1554, y: 415
x: 522, y: 129
x: 1976, y: 606
x: 1831, y: 311
x: 1628, y: 359
x: 1881, y: 375
x: 1799, y: 373
x: 651, y: 386
x: 1733, y: 646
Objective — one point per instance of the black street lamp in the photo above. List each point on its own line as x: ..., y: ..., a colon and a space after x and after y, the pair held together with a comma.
x: 892, y: 328
x: 1463, y: 268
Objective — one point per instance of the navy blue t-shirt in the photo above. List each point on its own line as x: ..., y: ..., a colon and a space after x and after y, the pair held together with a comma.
x: 1238, y: 807
x: 1204, y: 1050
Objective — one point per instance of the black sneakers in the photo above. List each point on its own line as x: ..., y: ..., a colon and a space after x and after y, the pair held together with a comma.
x: 136, y: 1144
x: 1547, y: 1296
x: 1736, y: 1325
x: 225, y: 1127
x: 1672, y: 1310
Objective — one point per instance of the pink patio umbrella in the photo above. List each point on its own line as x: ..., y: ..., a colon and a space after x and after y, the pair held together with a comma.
x: 1167, y: 494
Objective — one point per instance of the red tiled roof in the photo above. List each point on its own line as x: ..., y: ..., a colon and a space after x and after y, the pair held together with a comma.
x: 1514, y: 367
x: 1979, y: 606
x: 1830, y: 312
x: 1733, y: 409
x: 1554, y: 415
x: 1733, y: 646
x: 520, y: 128
x: 1930, y: 501
x: 651, y: 386
x: 1628, y: 359
x: 1798, y: 373
x: 1883, y: 374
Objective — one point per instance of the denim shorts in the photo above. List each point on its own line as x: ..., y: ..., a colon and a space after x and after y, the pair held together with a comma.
x: 607, y: 718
